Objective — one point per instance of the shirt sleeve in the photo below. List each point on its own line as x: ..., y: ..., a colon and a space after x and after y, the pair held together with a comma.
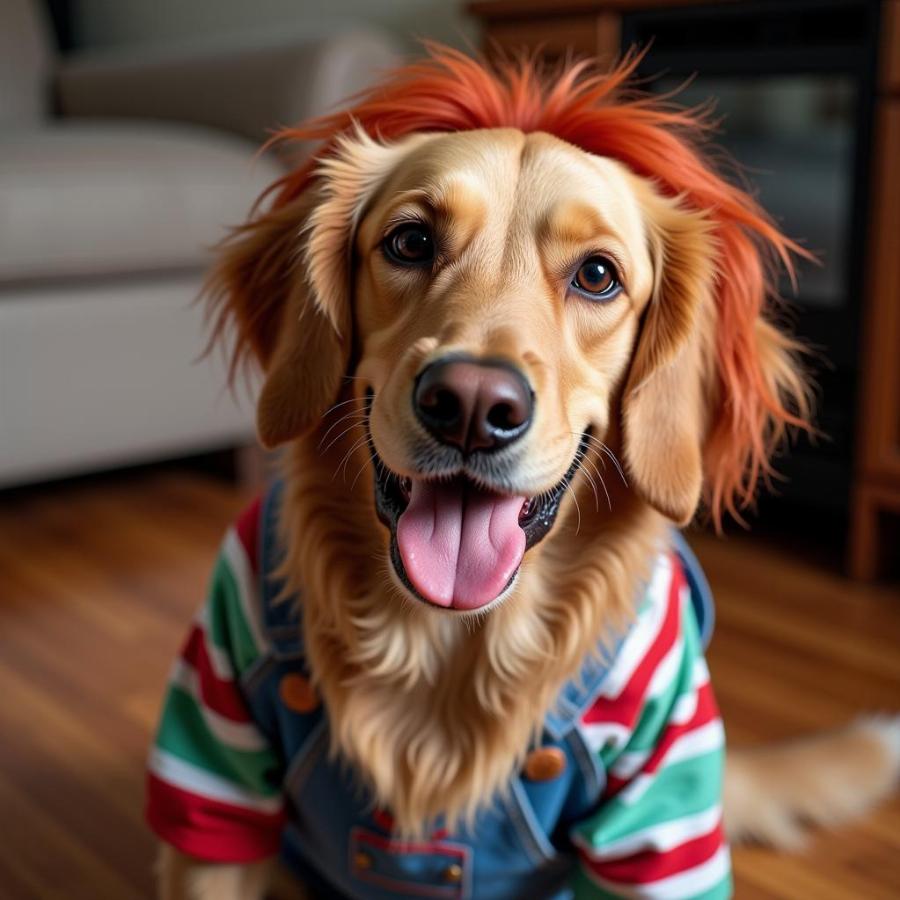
x: 657, y: 832
x: 213, y: 780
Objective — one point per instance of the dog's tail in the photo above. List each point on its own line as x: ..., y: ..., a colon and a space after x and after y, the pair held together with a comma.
x: 775, y: 794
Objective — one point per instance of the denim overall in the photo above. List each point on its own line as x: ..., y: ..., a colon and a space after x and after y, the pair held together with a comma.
x: 341, y: 846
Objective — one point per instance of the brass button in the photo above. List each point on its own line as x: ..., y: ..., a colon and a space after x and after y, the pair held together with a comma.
x: 297, y: 694
x: 545, y: 763
x: 453, y: 873
x: 362, y: 860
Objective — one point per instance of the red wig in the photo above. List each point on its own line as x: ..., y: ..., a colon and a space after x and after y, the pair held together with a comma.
x: 449, y: 91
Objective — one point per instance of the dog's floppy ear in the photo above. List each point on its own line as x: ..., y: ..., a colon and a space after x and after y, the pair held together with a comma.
x: 664, y: 404
x: 284, y: 281
x: 713, y: 385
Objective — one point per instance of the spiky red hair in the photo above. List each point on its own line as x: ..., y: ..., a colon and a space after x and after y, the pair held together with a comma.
x: 448, y: 91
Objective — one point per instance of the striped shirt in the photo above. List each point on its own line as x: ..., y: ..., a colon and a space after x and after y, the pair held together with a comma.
x: 655, y: 725
x: 215, y: 779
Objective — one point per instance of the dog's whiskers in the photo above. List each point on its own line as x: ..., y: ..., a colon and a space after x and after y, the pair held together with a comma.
x: 605, y: 451
x: 346, y: 457
x: 342, y: 434
x: 364, y: 441
x: 598, y: 473
x: 357, y: 417
x: 371, y: 459
x: 380, y: 467
x: 577, y: 507
x: 335, y: 406
x: 612, y: 457
x: 580, y: 468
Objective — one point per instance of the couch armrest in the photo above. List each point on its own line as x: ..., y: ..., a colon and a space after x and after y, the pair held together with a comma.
x: 249, y: 89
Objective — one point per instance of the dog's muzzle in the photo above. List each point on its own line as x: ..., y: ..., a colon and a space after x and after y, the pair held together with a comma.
x: 457, y: 543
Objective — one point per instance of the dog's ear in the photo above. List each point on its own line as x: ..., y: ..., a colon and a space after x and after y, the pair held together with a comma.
x: 713, y: 384
x: 664, y: 404
x: 284, y: 281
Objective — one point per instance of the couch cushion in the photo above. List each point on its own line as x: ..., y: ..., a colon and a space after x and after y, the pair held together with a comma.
x: 25, y: 59
x: 101, y: 198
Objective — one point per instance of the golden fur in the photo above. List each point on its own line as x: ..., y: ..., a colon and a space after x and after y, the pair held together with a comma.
x: 434, y: 710
x: 430, y: 709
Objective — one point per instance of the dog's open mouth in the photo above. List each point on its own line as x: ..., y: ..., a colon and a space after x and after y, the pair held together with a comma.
x: 456, y: 544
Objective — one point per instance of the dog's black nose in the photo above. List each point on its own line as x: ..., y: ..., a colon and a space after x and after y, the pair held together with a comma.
x: 473, y: 404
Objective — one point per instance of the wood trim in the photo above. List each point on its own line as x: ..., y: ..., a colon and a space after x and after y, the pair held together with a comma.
x: 554, y: 37
x: 498, y: 10
x: 877, y: 486
x: 890, y: 46
x: 609, y: 37
x: 866, y: 548
x: 879, y: 432
x: 598, y: 36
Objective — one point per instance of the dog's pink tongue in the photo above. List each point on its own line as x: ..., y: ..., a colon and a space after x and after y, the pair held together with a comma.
x: 460, y: 545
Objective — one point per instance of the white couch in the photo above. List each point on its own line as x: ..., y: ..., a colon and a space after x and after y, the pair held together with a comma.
x: 107, y: 214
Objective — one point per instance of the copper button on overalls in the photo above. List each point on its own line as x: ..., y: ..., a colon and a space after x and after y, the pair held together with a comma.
x: 545, y: 763
x: 297, y: 694
x: 426, y: 868
x: 453, y: 874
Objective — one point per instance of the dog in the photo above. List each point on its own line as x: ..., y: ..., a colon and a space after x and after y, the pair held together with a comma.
x: 514, y: 330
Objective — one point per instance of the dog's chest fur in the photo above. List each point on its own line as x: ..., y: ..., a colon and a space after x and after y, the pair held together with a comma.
x: 437, y: 713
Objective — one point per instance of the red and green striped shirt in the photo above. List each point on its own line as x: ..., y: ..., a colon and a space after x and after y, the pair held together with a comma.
x: 657, y: 832
x: 215, y: 779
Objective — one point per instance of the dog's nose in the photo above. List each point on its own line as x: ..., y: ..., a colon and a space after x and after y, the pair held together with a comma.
x: 473, y: 404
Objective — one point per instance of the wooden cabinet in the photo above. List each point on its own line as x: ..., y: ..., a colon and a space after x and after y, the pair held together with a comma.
x: 876, y: 495
x: 595, y: 27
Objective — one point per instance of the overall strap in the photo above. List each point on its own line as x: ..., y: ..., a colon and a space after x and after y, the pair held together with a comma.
x: 578, y: 693
x: 281, y: 616
x: 701, y: 594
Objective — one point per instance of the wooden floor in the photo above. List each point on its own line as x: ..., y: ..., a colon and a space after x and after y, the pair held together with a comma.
x: 99, y: 578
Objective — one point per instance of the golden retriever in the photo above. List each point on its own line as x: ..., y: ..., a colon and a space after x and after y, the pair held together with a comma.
x: 529, y: 326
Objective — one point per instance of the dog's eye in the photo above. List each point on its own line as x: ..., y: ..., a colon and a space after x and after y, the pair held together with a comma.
x: 597, y: 277
x: 410, y: 244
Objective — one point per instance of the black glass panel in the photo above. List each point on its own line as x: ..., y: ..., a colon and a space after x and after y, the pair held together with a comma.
x: 794, y: 139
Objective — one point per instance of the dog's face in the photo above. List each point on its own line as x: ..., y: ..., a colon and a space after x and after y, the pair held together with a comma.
x: 503, y: 276
x: 509, y: 300
x: 499, y: 284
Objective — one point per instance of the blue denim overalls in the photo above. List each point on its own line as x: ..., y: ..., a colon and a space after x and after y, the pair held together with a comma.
x: 340, y: 846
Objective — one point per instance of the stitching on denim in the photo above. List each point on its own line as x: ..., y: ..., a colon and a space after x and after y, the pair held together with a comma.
x: 311, y: 751
x: 545, y: 850
x: 252, y: 678
x: 588, y: 762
